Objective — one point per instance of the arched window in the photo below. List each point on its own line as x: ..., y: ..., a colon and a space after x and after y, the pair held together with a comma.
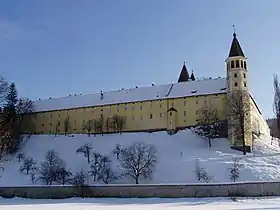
x: 232, y: 64
x: 245, y: 65
x: 237, y: 63
x: 241, y: 63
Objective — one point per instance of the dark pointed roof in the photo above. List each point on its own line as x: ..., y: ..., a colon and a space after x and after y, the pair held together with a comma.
x: 235, y: 49
x: 184, y: 75
x: 192, y: 76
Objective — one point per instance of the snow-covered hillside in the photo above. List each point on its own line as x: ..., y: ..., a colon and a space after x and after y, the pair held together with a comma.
x: 176, y: 157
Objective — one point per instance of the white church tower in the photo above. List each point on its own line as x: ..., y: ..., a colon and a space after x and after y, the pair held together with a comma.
x: 237, y: 86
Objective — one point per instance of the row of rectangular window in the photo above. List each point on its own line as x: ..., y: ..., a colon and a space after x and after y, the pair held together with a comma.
x: 185, y: 103
x: 151, y: 117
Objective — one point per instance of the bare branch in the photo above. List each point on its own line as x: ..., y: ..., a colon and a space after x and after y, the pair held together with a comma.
x: 276, y: 102
x: 138, y: 160
x: 239, y: 113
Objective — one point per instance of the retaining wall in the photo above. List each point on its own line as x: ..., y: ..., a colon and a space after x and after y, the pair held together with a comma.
x: 141, y: 191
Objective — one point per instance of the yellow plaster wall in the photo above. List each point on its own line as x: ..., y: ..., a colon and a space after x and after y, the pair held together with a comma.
x: 140, y: 116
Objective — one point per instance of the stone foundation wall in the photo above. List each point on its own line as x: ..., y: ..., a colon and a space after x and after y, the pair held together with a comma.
x: 161, y: 191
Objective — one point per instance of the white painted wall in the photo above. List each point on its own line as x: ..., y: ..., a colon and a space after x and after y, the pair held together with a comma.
x: 258, y: 122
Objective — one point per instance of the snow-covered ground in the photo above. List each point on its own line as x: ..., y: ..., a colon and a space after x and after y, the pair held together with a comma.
x: 147, y: 204
x: 176, y: 157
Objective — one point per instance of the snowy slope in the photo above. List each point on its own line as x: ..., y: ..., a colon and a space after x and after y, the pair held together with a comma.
x: 269, y: 203
x: 176, y: 155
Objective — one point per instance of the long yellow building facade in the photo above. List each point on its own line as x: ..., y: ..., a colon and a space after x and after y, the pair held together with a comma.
x: 165, y: 107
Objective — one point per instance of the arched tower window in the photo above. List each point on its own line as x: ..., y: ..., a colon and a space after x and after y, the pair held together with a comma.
x: 232, y: 64
x: 237, y: 63
x: 245, y: 65
x: 241, y: 62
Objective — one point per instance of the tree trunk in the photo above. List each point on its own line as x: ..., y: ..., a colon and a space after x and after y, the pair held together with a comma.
x: 136, y: 180
x: 209, y: 142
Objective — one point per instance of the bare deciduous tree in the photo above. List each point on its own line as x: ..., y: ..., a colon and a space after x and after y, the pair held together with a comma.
x: 117, y: 151
x: 29, y: 164
x: 79, y: 179
x: 64, y: 176
x: 239, y: 112
x: 108, y: 124
x: 208, y: 125
x: 20, y: 156
x: 201, y: 173
x: 118, y: 123
x: 235, y: 170
x: 57, y: 127
x: 197, y: 170
x: 98, y: 125
x: 86, y: 150
x: 276, y: 102
x: 66, y: 125
x: 88, y: 126
x: 107, y: 175
x: 96, y: 166
x: 50, y: 168
x: 138, y: 160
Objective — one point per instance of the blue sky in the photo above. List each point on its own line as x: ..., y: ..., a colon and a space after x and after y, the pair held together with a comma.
x: 60, y: 47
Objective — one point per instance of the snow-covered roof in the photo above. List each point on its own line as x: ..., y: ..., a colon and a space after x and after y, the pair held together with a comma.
x: 176, y: 90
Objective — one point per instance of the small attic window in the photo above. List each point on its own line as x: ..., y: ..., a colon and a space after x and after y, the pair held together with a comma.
x: 194, y: 91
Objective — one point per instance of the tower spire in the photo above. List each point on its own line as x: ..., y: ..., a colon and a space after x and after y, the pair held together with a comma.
x: 184, y: 75
x: 192, y: 76
x: 235, y: 49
